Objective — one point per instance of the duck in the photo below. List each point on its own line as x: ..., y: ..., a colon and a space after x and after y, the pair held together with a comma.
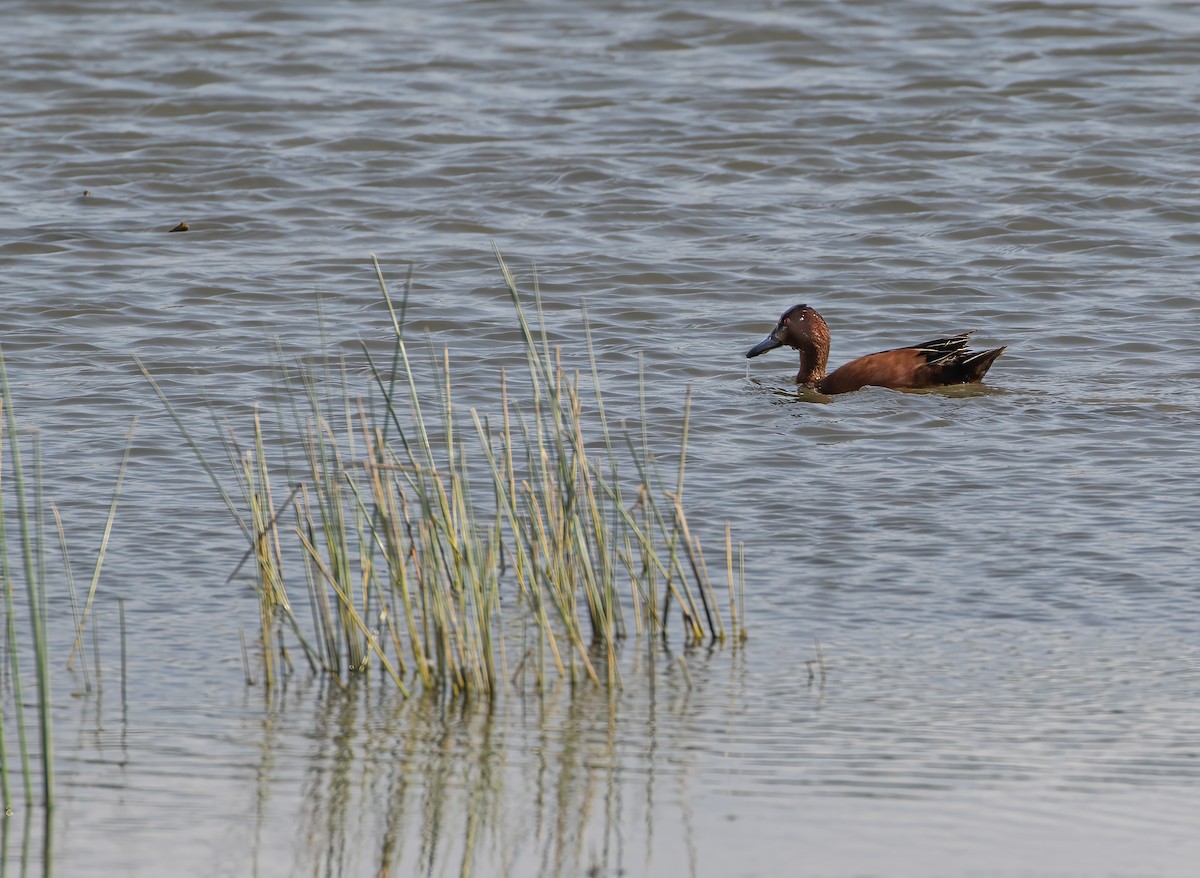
x: 938, y: 363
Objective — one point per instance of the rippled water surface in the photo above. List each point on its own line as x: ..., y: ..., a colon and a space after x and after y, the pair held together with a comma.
x: 1003, y: 581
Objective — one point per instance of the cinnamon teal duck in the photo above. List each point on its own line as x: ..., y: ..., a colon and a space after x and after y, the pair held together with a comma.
x: 937, y: 363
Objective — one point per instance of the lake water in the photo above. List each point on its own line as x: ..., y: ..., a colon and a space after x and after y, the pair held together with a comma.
x: 1003, y: 582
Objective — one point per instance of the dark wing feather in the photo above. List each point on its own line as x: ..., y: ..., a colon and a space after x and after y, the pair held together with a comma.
x: 939, y: 349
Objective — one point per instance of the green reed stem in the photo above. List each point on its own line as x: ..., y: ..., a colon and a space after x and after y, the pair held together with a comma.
x: 34, y: 585
x: 13, y: 668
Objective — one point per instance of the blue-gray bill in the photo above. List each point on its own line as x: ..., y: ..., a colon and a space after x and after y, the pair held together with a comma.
x: 767, y: 344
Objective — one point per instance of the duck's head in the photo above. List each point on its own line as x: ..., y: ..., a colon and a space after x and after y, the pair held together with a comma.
x: 800, y: 327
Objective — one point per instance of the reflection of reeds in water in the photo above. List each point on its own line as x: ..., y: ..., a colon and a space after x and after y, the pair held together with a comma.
x: 411, y: 521
x: 576, y: 780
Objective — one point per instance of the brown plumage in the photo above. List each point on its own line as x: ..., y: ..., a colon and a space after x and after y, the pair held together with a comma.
x: 936, y: 363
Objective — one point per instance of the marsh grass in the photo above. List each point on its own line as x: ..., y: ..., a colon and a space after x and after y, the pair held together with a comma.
x: 32, y: 571
x: 23, y: 560
x: 428, y: 536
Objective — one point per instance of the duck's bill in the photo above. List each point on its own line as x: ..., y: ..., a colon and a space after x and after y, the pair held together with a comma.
x: 767, y: 344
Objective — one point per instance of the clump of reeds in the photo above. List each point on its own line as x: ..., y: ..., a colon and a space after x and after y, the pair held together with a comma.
x: 425, y: 535
x: 24, y: 559
x: 33, y: 572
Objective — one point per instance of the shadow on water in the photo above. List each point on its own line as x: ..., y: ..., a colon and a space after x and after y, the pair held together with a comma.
x: 568, y: 781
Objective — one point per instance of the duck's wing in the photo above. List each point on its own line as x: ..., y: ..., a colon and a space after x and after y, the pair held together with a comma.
x: 940, y: 349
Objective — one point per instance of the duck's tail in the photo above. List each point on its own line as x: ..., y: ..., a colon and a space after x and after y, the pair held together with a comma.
x: 952, y: 363
x: 974, y: 366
